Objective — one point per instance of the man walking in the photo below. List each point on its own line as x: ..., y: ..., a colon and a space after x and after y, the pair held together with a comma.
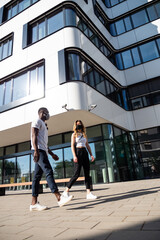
x: 39, y: 143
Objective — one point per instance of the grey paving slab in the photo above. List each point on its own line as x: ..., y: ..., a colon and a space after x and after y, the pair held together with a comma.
x: 152, y: 226
x: 105, y: 219
x: 83, y: 235
x: 132, y: 235
x: 119, y: 226
x: 125, y: 210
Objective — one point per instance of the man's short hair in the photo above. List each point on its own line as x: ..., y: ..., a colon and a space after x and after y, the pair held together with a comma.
x: 42, y: 109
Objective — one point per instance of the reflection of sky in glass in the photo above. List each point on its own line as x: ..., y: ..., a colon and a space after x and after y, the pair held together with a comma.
x: 93, y: 150
x: 23, y: 164
x: 68, y: 154
x: 52, y: 161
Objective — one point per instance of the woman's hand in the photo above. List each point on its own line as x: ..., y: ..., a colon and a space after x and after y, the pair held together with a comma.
x: 75, y: 159
x: 92, y: 159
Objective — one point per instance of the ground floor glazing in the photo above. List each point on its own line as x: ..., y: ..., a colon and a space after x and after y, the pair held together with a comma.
x: 119, y: 156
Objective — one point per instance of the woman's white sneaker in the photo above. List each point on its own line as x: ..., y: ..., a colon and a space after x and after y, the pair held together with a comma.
x: 64, y: 200
x: 65, y: 194
x: 91, y: 196
x: 37, y: 207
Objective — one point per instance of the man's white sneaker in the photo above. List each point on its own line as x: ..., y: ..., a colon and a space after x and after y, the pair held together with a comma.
x: 91, y: 196
x: 64, y: 200
x: 37, y: 207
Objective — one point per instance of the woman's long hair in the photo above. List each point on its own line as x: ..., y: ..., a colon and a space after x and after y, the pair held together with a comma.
x: 83, y: 128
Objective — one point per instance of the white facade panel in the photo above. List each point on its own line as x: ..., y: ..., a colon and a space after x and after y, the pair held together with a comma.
x: 135, y: 74
x: 126, y: 39
x: 134, y: 4
x: 152, y: 68
x: 147, y: 31
x: 119, y: 10
x: 145, y: 118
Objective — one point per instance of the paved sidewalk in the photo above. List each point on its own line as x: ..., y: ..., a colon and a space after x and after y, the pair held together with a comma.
x: 123, y: 211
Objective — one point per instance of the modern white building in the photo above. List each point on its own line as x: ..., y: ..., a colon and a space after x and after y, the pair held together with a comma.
x: 94, y: 60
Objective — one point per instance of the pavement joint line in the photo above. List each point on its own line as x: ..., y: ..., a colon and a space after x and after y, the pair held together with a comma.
x: 85, y: 218
x: 24, y: 230
x: 141, y: 229
x: 28, y: 237
x: 61, y: 232
x: 111, y: 213
x: 109, y: 235
x: 124, y: 218
x: 95, y: 225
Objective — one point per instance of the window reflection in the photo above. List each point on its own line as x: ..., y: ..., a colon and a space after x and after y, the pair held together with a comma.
x: 139, y: 18
x: 57, y: 166
x: 55, y: 23
x: 113, y: 172
x: 111, y: 3
x: 10, y: 170
x: 6, y: 48
x: 132, y: 21
x: 68, y: 162
x: 20, y: 89
x: 41, y: 30
x: 149, y: 51
x: 98, y: 171
x: 8, y: 92
x: 28, y: 83
x: 23, y: 173
x: 1, y: 94
x: 74, y: 67
x: 17, y: 7
x: 1, y: 170
x: 127, y: 59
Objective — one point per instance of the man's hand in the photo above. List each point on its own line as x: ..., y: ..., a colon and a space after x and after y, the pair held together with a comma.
x: 36, y: 156
x: 55, y: 157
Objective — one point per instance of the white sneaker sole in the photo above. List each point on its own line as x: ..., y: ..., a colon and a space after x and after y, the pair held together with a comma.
x: 64, y: 203
x: 37, y: 210
x: 91, y: 198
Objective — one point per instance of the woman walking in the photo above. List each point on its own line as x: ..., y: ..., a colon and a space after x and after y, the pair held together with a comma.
x: 79, y: 143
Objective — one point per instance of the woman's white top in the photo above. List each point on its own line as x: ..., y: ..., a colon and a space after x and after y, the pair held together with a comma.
x: 80, y: 141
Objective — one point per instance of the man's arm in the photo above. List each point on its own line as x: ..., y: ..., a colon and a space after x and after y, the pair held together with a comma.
x: 35, y: 132
x: 54, y: 156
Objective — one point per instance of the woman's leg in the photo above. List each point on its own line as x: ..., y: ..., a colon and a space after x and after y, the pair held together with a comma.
x: 77, y: 170
x: 86, y: 167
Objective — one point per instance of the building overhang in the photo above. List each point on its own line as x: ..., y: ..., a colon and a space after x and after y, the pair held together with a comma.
x: 57, y: 124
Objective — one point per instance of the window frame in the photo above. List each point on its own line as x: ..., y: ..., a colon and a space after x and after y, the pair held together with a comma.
x: 9, y: 40
x: 30, y: 97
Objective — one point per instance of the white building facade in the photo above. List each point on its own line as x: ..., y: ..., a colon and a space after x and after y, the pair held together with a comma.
x: 94, y: 60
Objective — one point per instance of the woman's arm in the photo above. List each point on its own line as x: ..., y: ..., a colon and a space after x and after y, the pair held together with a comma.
x: 73, y: 148
x: 89, y: 150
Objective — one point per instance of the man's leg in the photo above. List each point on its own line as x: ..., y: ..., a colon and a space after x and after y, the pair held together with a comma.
x: 35, y: 183
x: 47, y: 169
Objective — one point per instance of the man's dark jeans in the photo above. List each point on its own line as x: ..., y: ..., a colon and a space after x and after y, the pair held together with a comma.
x: 43, y: 165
